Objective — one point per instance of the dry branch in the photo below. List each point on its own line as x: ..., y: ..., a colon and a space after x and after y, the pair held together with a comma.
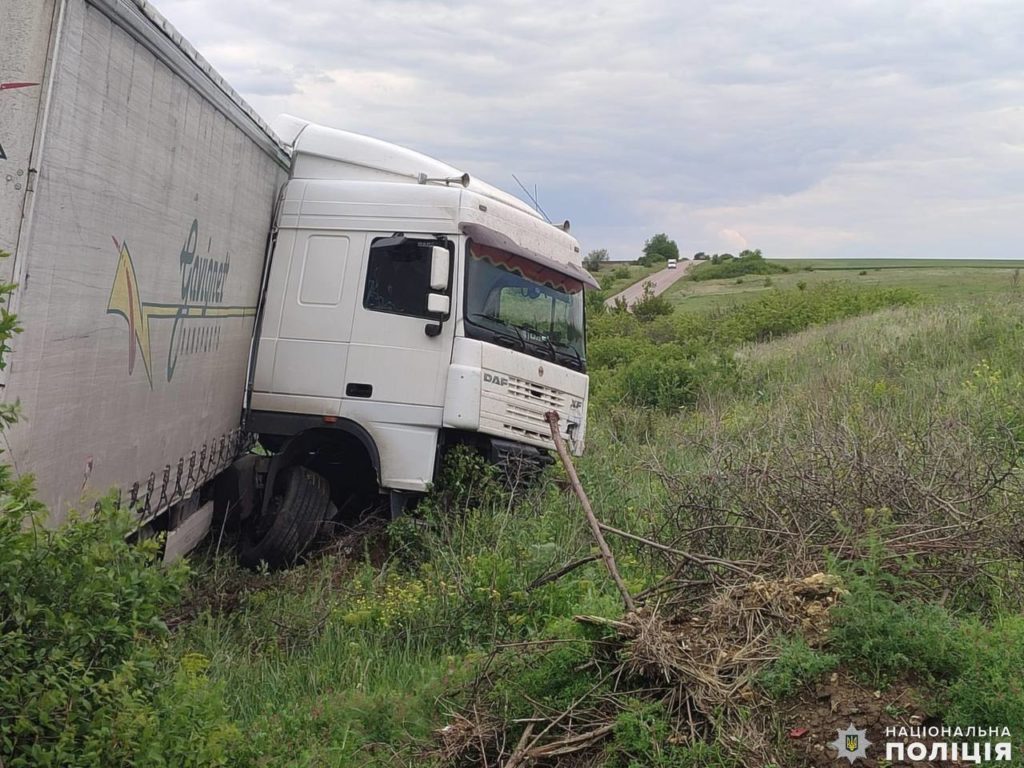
x: 595, y: 525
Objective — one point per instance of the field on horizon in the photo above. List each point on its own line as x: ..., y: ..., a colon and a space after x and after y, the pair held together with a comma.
x: 937, y: 279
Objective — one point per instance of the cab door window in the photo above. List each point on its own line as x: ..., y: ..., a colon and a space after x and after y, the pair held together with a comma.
x: 398, y: 276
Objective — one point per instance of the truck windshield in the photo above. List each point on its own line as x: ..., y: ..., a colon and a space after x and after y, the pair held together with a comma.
x: 518, y: 303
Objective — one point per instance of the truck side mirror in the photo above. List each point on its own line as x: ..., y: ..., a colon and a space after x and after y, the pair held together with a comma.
x: 440, y: 268
x: 438, y: 304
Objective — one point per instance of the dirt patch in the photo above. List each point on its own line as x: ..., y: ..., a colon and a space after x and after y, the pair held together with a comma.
x: 814, y: 718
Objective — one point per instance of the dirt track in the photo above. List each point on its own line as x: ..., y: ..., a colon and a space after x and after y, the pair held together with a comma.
x: 661, y: 281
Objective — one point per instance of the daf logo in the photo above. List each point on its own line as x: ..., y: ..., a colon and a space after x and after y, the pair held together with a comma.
x: 493, y: 378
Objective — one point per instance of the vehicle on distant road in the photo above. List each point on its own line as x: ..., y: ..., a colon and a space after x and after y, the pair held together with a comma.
x: 672, y: 263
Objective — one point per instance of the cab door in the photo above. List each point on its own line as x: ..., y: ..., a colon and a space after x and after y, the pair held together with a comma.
x: 307, y: 327
x: 400, y: 350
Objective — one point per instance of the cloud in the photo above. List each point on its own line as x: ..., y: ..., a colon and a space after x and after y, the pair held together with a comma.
x: 857, y: 127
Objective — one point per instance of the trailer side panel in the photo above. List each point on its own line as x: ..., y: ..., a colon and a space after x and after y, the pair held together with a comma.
x: 139, y: 265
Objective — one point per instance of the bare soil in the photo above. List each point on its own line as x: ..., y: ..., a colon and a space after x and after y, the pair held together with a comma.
x: 813, y: 719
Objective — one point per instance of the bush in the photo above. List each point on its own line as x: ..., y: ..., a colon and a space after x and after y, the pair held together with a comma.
x: 667, y: 380
x: 594, y: 302
x: 614, y: 351
x: 784, y: 312
x: 82, y: 677
x: 666, y: 360
x: 883, y: 637
x: 726, y: 266
x: 987, y: 688
x: 650, y: 306
x: 798, y: 665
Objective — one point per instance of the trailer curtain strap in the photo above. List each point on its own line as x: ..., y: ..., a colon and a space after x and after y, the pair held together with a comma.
x: 487, y: 236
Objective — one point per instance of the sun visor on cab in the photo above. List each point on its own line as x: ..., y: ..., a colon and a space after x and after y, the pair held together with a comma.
x: 487, y: 236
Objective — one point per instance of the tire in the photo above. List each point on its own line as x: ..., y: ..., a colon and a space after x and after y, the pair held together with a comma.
x: 281, y: 534
x: 234, y: 494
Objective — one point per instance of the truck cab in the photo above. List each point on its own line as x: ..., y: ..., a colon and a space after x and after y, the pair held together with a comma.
x: 407, y: 307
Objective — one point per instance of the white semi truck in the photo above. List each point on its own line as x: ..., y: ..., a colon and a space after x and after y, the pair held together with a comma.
x: 189, y: 281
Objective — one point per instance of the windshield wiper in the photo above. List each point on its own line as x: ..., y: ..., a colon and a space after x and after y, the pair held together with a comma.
x: 579, y: 358
x: 518, y: 334
x: 525, y: 342
x: 554, y: 347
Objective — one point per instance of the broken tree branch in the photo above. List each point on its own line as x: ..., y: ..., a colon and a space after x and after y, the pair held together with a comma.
x: 540, y: 581
x: 701, y: 560
x: 595, y: 525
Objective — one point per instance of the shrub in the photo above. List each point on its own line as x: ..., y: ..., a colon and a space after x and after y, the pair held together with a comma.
x: 727, y: 266
x: 665, y: 361
x: 650, y: 306
x: 987, y: 687
x: 610, y: 325
x: 670, y: 380
x: 594, y: 301
x: 784, y: 312
x: 613, y: 351
x: 882, y: 636
x: 798, y: 665
x: 82, y: 678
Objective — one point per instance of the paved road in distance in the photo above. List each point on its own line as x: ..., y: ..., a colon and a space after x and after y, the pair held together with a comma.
x: 661, y: 281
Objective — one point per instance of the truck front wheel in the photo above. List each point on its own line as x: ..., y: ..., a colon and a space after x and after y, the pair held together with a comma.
x: 289, y: 523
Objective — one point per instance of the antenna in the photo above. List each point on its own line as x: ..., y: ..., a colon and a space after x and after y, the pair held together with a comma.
x: 533, y: 198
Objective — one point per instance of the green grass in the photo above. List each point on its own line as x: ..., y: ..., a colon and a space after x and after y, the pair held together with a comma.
x: 347, y: 661
x: 356, y: 662
x: 863, y: 419
x: 880, y: 633
x: 858, y: 264
x: 944, y: 281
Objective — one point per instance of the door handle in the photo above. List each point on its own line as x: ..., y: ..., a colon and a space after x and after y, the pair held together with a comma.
x: 359, y: 390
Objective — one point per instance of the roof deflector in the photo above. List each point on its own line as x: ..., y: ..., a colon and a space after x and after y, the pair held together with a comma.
x: 487, y: 236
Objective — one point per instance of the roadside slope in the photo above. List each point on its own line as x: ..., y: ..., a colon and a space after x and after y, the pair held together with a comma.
x: 660, y: 280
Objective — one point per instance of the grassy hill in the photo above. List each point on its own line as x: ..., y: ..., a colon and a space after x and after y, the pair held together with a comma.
x: 832, y: 450
x: 947, y: 281
x: 815, y: 495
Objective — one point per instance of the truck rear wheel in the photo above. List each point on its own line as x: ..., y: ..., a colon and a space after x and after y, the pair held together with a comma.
x: 282, y: 533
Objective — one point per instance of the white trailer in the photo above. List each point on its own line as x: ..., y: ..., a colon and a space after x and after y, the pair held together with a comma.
x: 137, y: 190
x: 400, y: 306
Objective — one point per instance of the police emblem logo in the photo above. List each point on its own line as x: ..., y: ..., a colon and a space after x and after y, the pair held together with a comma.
x: 851, y: 744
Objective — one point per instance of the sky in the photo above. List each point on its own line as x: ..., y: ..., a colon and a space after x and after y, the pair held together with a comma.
x: 847, y: 128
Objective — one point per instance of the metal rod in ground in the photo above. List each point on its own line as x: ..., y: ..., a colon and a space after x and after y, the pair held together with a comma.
x: 595, y: 526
